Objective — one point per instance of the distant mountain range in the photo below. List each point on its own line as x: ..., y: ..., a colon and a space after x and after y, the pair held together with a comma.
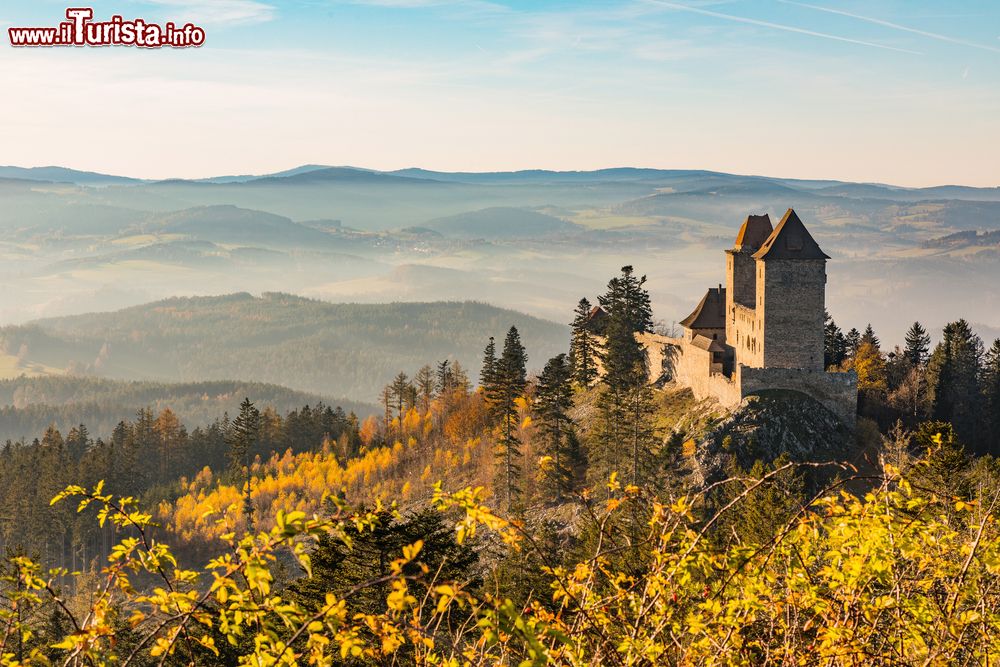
x: 310, y: 173
x: 533, y: 241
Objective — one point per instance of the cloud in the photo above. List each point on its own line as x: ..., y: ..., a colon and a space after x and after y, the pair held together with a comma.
x: 896, y: 26
x: 218, y: 12
x: 778, y: 26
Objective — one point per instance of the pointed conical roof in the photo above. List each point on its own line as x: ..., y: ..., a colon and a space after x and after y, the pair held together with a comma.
x: 710, y: 313
x: 753, y: 232
x: 790, y: 240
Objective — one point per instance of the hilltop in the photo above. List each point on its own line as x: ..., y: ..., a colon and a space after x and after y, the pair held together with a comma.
x: 338, y: 350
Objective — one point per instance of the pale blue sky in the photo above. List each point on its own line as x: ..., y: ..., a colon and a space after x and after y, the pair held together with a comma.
x: 903, y: 91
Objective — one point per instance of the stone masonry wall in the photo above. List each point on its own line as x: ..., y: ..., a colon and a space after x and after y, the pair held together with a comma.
x: 838, y: 392
x: 677, y: 360
x: 791, y: 304
x: 748, y: 336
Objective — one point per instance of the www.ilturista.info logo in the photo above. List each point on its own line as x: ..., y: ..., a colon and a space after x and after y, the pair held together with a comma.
x: 80, y: 30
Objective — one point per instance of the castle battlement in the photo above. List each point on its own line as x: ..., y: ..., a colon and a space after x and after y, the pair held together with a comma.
x: 764, y: 329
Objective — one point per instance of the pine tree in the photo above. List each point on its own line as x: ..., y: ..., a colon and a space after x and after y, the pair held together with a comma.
x: 917, y: 344
x: 553, y: 400
x: 242, y: 437
x: 511, y: 378
x: 582, y: 346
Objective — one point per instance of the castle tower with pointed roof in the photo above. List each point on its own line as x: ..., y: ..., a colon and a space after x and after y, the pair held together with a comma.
x: 764, y: 329
x: 775, y: 316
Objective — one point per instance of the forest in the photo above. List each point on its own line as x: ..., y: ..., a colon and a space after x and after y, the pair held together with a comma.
x: 563, y: 517
x: 343, y: 351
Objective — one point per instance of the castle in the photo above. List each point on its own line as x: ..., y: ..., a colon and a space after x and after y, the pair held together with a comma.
x: 764, y: 329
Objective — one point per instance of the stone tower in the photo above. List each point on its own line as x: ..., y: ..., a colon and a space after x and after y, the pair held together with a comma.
x: 741, y: 270
x: 790, y: 293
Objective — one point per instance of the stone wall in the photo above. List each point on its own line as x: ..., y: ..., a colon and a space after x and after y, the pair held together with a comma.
x: 741, y: 283
x: 675, y: 359
x: 748, y: 338
x: 791, y: 305
x: 838, y: 392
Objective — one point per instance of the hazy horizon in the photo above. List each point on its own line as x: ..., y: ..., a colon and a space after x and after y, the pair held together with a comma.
x: 897, y: 93
x: 485, y: 170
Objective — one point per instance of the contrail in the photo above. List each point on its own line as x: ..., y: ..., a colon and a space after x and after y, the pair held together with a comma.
x: 779, y: 26
x: 894, y: 26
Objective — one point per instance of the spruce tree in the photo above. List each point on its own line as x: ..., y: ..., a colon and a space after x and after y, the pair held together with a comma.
x: 510, y: 378
x: 853, y: 341
x: 917, y: 344
x: 991, y: 398
x: 582, y: 346
x: 834, y: 343
x: 625, y: 435
x: 628, y: 307
x: 953, y: 374
x: 553, y: 400
x: 241, y: 438
x: 869, y: 337
x: 488, y: 378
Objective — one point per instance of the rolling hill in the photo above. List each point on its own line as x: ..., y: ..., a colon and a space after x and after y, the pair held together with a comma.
x: 339, y: 350
x: 30, y: 405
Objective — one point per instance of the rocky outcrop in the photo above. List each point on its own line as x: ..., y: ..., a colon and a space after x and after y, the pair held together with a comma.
x: 764, y: 427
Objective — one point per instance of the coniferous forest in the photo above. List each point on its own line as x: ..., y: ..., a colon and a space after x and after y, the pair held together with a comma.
x: 578, y: 515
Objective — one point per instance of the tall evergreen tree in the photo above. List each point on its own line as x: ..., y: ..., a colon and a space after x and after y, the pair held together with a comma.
x: 853, y: 341
x: 918, y: 344
x: 869, y: 337
x: 629, y: 312
x: 242, y: 438
x: 991, y: 398
x: 488, y: 376
x: 553, y: 401
x: 834, y: 343
x: 625, y: 403
x: 510, y: 380
x: 953, y: 374
x: 583, y: 348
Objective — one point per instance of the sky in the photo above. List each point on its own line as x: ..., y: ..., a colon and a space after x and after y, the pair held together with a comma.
x: 897, y: 91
